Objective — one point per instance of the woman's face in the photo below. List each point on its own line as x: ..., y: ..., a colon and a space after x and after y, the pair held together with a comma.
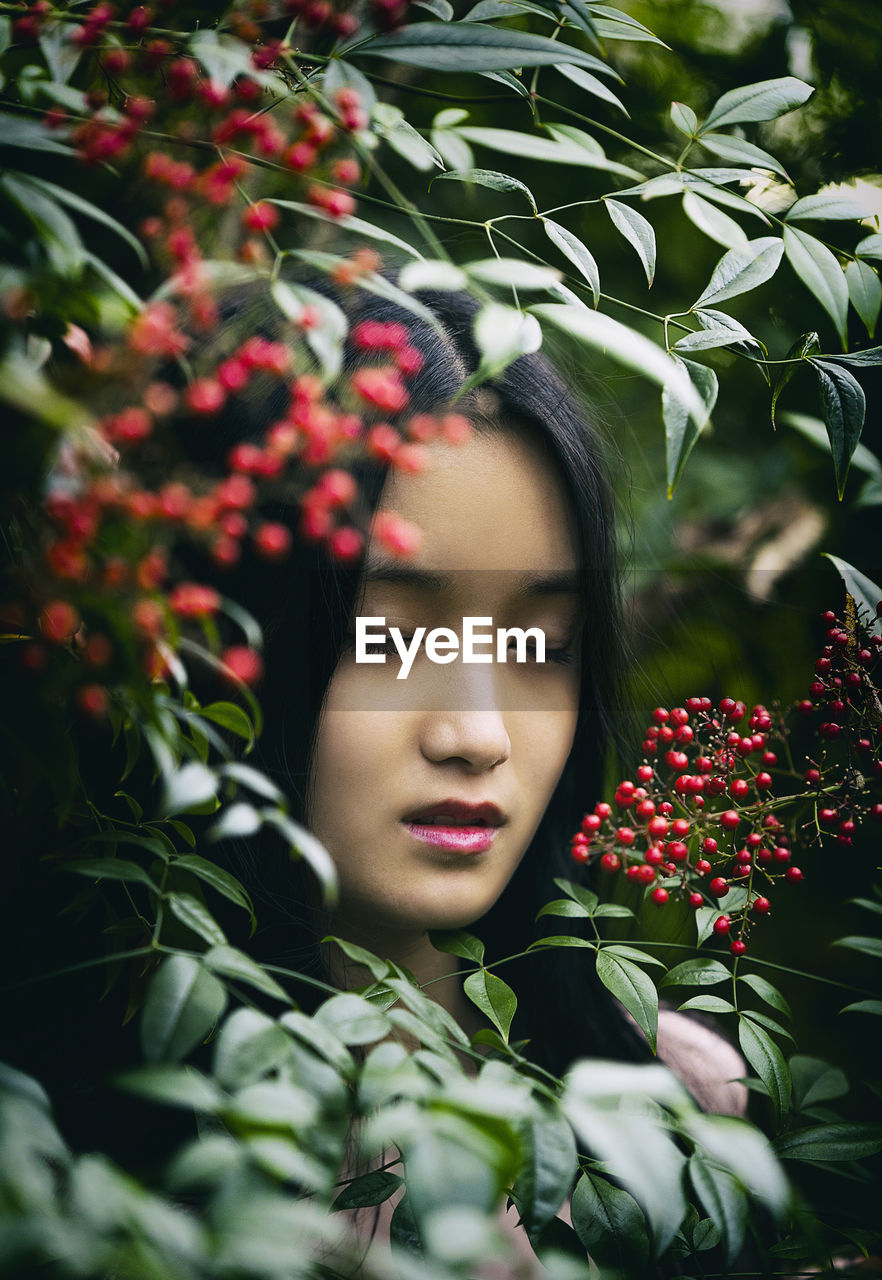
x: 394, y: 757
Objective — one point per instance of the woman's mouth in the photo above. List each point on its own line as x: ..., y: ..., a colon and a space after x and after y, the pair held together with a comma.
x: 459, y: 825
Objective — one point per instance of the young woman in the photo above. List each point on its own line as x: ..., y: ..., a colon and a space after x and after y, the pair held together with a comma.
x: 518, y: 529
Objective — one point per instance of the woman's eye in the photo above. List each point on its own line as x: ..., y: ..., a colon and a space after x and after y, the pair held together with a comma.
x: 561, y: 657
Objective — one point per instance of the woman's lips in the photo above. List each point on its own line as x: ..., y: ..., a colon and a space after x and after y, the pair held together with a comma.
x: 456, y: 825
x: 459, y: 839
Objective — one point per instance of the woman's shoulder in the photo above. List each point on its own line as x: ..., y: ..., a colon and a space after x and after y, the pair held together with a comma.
x: 707, y: 1064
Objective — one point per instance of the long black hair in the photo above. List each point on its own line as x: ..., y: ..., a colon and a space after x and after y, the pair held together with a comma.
x: 564, y: 1012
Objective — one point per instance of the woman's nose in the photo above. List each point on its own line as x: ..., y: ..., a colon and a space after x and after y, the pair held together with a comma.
x: 476, y: 737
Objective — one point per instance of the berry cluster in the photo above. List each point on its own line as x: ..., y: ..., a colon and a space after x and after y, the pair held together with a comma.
x: 102, y: 580
x: 713, y: 804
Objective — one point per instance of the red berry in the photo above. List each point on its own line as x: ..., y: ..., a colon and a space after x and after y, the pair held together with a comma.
x: 581, y: 853
x: 677, y: 851
x: 718, y: 887
x: 763, y: 781
x: 780, y: 854
x: 827, y: 817
x: 709, y: 845
x: 611, y: 862
x: 654, y: 856
x: 793, y: 874
x: 738, y: 788
x: 590, y: 823
x: 702, y: 866
x: 243, y: 663
x: 645, y: 809
x: 603, y: 810
x: 625, y: 836
x: 659, y: 895
x: 273, y: 540
x: 729, y: 819
x: 722, y: 924
x: 626, y: 789
x: 737, y: 947
x: 657, y: 826
x: 761, y: 905
x: 680, y: 827
x: 696, y: 900
x: 645, y: 873
x: 644, y: 773
x: 660, y: 715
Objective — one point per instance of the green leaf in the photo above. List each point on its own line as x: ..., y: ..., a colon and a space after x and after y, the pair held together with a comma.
x: 844, y: 407
x: 249, y: 1046
x: 741, y: 270
x: 867, y: 946
x: 801, y: 350
x: 723, y: 1199
x: 493, y: 997
x: 303, y: 844
x: 616, y: 25
x: 325, y: 339
x: 700, y: 972
x: 827, y: 206
x: 631, y: 953
x: 320, y: 1040
x: 339, y: 74
x: 868, y: 904
x: 184, y: 1002
x: 376, y: 967
x: 353, y: 1019
x: 469, y: 46
x: 191, y: 786
x: 512, y: 272
x: 564, y: 907
x: 630, y: 985
x: 819, y: 270
x: 442, y: 9
x: 870, y: 247
x: 111, y: 869
x: 728, y: 147
x: 196, y: 916
x: 814, y: 1081
x: 610, y: 1225
x: 550, y: 1164
x: 225, y: 57
x: 865, y: 593
x: 681, y: 430
x: 864, y: 1006
x: 456, y: 942
x: 501, y: 335
x: 254, y: 779
x: 229, y: 716
x: 233, y: 963
x: 626, y: 345
x: 431, y: 275
x: 684, y: 119
x: 767, y: 1061
x: 708, y: 339
x: 707, y: 1004
x: 30, y: 135
x: 65, y: 196
x: 575, y: 251
x: 368, y: 1190
x: 770, y: 1024
x: 590, y: 83
x: 172, y: 1086
x: 218, y: 878
x: 865, y: 293
x: 489, y: 178
x: 587, y: 897
x: 391, y: 124
x: 713, y: 222
x: 235, y: 822
x: 561, y: 940
x: 764, y: 989
x: 637, y: 230
x: 764, y: 100
x: 744, y: 1151
x: 840, y: 1141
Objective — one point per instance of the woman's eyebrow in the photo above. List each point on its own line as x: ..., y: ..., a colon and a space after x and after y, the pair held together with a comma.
x: 550, y: 584
x: 401, y: 576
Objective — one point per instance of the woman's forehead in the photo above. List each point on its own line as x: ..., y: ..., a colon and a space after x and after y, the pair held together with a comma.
x: 492, y: 503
